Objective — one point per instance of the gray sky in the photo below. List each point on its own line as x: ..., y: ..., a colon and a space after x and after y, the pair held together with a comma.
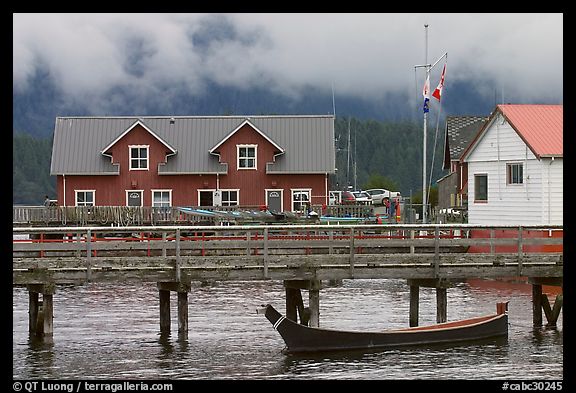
x: 364, y: 55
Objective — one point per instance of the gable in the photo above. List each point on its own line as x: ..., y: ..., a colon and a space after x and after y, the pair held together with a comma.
x: 539, y: 127
x: 241, y: 126
x: 499, y: 142
x: 129, y: 129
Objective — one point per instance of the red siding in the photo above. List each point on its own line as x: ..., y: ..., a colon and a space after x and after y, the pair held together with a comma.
x: 111, y: 189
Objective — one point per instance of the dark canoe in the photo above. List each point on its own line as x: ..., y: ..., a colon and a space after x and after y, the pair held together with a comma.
x: 301, y: 338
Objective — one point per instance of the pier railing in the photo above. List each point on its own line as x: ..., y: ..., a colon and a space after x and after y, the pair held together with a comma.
x: 146, y: 215
x: 168, y: 253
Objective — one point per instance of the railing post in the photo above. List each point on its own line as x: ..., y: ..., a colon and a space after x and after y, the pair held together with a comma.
x: 411, y: 241
x: 177, y: 267
x: 164, y: 244
x: 520, y: 252
x: 266, y: 252
x: 436, y: 251
x: 89, y: 255
x: 41, y: 242
x: 492, y: 234
x: 352, y: 252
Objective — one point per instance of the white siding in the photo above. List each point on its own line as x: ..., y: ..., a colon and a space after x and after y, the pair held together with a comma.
x: 552, y: 191
x: 525, y: 203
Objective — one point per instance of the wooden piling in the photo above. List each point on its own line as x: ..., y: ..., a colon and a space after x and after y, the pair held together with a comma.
x: 41, y: 312
x: 441, y: 305
x: 441, y: 285
x: 314, y: 303
x: 164, y: 289
x: 540, y: 300
x: 183, y: 313
x: 414, y: 304
x: 309, y: 316
x: 33, y: 305
x: 164, y: 296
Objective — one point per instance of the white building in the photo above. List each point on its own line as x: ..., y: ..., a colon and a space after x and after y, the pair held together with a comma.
x: 515, y: 167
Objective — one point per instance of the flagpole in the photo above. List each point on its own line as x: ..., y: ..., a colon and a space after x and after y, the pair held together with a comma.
x: 424, y: 133
x: 426, y: 109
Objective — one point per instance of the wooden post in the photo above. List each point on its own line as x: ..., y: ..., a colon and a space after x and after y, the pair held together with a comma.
x: 414, y: 304
x: 177, y: 270
x: 266, y: 253
x: 537, y: 304
x: 292, y: 296
x: 351, y: 252
x: 441, y: 304
x: 314, y: 303
x: 48, y: 311
x: 164, y: 310
x: 41, y: 313
x: 33, y: 305
x: 183, y: 313
x: 88, y: 255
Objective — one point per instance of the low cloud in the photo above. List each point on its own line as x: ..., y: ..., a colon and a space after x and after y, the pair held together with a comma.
x: 89, y: 56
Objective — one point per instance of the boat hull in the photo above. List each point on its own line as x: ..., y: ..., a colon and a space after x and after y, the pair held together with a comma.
x: 301, y: 338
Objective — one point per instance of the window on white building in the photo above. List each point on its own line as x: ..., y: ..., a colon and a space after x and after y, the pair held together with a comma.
x: 514, y: 173
x: 480, y: 188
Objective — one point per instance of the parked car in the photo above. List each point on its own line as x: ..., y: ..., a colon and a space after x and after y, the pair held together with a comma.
x: 347, y: 198
x: 362, y: 197
x: 379, y: 194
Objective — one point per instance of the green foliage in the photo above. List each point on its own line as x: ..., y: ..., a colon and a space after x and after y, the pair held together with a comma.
x: 387, y: 155
x: 376, y: 180
x: 31, y: 179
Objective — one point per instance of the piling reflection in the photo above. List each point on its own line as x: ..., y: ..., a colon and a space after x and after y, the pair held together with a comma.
x: 40, y: 355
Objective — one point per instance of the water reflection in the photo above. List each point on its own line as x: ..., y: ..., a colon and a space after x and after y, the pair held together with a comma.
x: 112, y: 331
x: 40, y: 355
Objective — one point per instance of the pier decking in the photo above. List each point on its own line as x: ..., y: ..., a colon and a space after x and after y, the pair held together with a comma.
x: 301, y: 255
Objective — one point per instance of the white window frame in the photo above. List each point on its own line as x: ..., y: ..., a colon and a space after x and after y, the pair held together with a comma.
x: 238, y: 157
x: 85, y: 191
x: 162, y: 190
x: 147, y: 147
x: 509, y: 169
x: 227, y: 203
x: 476, y: 176
x: 141, y: 196
x: 204, y: 190
x: 293, y: 191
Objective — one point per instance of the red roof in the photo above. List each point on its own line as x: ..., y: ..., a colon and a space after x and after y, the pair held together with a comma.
x: 540, y: 126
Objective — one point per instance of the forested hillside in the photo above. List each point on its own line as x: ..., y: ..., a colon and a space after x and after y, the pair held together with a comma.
x: 31, y: 179
x: 385, y: 154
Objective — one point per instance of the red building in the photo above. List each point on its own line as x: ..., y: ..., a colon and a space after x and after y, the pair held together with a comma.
x: 282, y: 162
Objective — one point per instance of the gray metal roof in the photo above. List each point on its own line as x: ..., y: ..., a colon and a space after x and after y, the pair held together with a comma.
x: 460, y: 130
x: 308, y: 142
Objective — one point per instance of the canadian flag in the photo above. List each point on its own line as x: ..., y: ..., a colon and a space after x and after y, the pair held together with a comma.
x: 438, y: 92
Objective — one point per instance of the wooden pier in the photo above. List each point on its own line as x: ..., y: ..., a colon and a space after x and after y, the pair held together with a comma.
x: 302, y: 256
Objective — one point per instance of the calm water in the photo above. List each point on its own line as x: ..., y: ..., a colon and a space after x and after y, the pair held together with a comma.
x: 111, y: 331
